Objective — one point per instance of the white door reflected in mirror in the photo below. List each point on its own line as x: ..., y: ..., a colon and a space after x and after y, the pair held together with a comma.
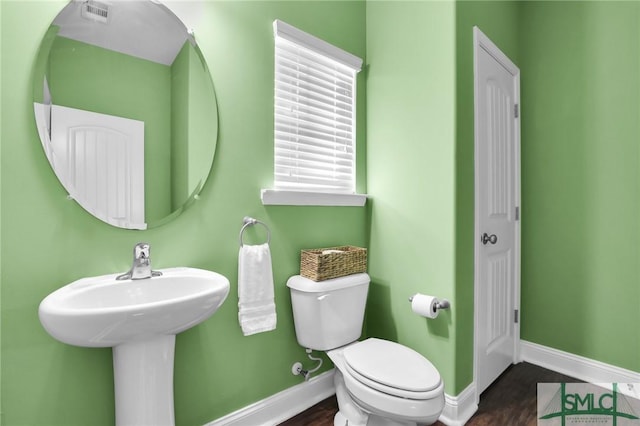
x: 99, y: 159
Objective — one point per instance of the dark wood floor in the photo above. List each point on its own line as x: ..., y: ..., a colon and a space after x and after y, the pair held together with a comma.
x: 510, y: 401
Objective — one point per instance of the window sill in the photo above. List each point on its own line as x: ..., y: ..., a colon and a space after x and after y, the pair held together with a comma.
x: 273, y: 197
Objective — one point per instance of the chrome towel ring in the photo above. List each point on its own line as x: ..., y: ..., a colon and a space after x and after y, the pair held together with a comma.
x: 249, y: 221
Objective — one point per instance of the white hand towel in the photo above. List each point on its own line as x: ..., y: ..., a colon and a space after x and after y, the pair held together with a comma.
x: 256, y: 306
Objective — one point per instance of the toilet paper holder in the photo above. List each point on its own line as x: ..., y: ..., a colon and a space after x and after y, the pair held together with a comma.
x: 441, y: 304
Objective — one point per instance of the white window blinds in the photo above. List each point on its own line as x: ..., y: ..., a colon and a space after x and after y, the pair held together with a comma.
x: 315, y: 90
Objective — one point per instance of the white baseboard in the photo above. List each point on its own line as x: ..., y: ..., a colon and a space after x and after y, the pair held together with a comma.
x: 283, y: 405
x: 294, y: 400
x: 576, y: 366
x: 459, y: 409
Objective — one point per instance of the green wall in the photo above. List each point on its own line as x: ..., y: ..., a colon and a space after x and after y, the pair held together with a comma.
x: 180, y: 127
x: 1, y: 126
x: 91, y: 78
x: 580, y: 93
x: 420, y: 161
x: 192, y: 129
x: 202, y: 129
x: 48, y: 241
x: 411, y: 174
x: 580, y: 64
x: 580, y: 202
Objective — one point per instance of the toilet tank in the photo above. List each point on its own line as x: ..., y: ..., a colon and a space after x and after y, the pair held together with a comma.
x: 328, y: 314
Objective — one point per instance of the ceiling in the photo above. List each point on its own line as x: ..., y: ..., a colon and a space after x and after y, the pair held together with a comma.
x: 144, y: 29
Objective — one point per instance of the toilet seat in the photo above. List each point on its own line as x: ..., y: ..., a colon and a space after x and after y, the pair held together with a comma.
x: 425, y: 411
x: 392, y: 402
x: 392, y: 368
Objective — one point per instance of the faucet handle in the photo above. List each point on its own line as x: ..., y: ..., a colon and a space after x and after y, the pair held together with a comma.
x: 142, y: 251
x: 141, y: 267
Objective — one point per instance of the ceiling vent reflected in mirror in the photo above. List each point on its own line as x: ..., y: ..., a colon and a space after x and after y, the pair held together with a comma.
x: 95, y: 11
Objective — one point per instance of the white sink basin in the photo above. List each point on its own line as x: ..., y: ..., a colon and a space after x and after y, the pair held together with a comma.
x: 139, y: 319
x: 102, y: 312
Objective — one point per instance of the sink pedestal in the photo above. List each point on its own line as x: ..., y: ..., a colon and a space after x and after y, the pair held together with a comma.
x: 143, y: 378
x: 139, y: 319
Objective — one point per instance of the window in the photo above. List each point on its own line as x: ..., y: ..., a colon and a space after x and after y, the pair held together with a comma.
x: 314, y: 121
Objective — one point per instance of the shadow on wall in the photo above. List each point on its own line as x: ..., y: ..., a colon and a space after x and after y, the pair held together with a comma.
x: 378, y: 317
x: 441, y: 325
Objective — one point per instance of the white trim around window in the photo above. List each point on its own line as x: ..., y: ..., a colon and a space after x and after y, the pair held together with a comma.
x: 274, y: 197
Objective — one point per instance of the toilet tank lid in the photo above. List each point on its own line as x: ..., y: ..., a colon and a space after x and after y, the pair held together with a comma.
x: 300, y: 283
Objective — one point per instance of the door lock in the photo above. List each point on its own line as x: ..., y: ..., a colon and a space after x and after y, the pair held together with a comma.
x: 486, y: 238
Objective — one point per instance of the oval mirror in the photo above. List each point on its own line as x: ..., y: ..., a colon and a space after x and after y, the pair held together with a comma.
x: 126, y: 110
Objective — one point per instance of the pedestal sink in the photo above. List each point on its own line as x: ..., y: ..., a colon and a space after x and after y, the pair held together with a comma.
x: 139, y: 319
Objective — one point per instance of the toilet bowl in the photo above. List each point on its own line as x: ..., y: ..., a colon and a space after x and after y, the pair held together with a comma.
x: 390, y: 383
x: 378, y: 382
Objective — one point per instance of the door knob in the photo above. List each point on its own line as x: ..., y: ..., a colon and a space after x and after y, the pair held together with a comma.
x: 486, y: 238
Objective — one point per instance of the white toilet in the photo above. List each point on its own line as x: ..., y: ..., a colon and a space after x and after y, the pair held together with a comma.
x: 378, y: 382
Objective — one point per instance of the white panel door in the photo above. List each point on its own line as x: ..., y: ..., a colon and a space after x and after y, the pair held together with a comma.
x: 497, y: 194
x: 99, y: 159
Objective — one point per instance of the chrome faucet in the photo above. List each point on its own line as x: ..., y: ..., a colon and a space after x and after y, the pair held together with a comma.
x: 141, y: 267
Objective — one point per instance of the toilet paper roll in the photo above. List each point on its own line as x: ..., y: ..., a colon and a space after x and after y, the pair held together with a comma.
x: 425, y: 305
